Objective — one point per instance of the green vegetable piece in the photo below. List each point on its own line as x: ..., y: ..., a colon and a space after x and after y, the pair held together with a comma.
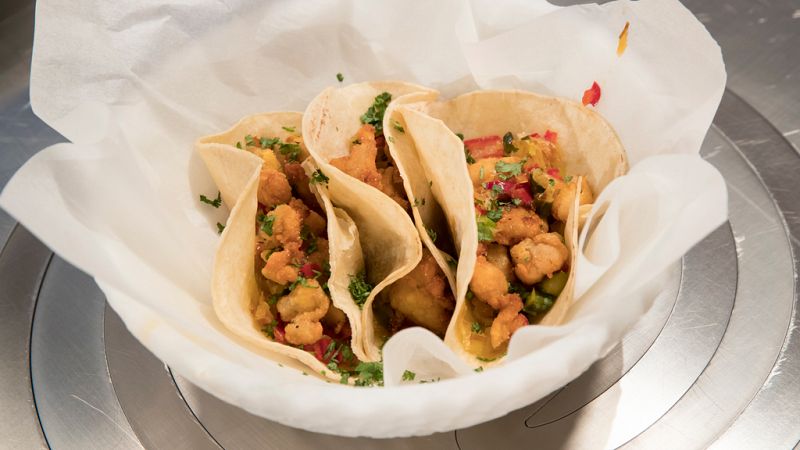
x: 485, y: 229
x: 369, y: 373
x: 409, y: 375
x: 508, y: 144
x: 340, y: 77
x: 468, y: 155
x: 374, y: 114
x: 359, y: 288
x: 537, y: 303
x: 216, y: 203
x: 267, y: 220
x: 319, y: 177
x: 554, y: 285
x: 507, y: 170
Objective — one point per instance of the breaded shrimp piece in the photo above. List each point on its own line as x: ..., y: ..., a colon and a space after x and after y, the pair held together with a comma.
x: 273, y: 187
x: 421, y: 296
x: 518, y: 224
x: 539, y: 257
x: 287, y: 224
x: 488, y: 282
x: 280, y: 266
x: 507, y: 321
x: 392, y: 185
x: 565, y: 196
x: 360, y: 163
x: 498, y: 256
x: 299, y: 181
x: 303, y: 308
x: 482, y: 171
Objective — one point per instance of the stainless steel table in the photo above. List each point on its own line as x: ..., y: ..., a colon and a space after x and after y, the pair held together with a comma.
x: 718, y: 365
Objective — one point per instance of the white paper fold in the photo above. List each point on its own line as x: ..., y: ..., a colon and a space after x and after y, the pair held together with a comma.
x: 134, y: 83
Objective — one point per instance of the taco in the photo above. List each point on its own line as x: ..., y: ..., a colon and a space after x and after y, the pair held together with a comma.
x: 512, y: 170
x: 356, y: 138
x: 280, y: 277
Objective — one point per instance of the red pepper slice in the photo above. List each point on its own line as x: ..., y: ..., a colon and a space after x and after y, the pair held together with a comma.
x: 553, y: 172
x: 310, y: 270
x: 551, y: 136
x: 485, y: 147
x: 510, y: 189
x: 280, y: 334
x: 592, y: 95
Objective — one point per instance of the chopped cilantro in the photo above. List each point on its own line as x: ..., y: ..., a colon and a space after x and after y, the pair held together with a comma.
x: 239, y: 145
x: 305, y: 374
x: 340, y: 77
x: 551, y: 182
x: 431, y: 233
x: 291, y: 150
x: 268, y: 142
x: 345, y: 378
x: 495, y: 215
x: 374, y: 114
x: 369, y: 373
x: 319, y: 177
x: 567, y: 178
x: 220, y: 228
x: 269, y: 329
x: 452, y: 262
x: 431, y: 380
x: 409, y: 375
x: 497, y: 188
x: 289, y: 129
x: 479, y: 369
x: 215, y: 203
x: 419, y: 202
x: 485, y: 229
x: 396, y: 125
x: 507, y: 170
x: 248, y: 140
x: 356, y: 141
x: 267, y: 221
x: 481, y: 173
x: 477, y: 327
x: 516, y: 201
x: 390, y: 139
x: 460, y: 136
x: 468, y: 155
x: 273, y: 299
x: 301, y: 280
x: 508, y: 144
x: 359, y: 288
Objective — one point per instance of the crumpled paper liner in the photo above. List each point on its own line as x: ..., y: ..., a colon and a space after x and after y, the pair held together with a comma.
x: 133, y: 84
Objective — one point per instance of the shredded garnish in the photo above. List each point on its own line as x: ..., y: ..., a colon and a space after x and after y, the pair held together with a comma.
x: 215, y: 203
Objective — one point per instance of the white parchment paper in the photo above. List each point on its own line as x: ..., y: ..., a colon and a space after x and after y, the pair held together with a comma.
x: 133, y: 83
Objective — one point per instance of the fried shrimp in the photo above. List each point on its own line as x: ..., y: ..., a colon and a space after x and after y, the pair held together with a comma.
x: 280, y: 266
x: 508, y: 320
x: 392, y: 185
x: 287, y: 224
x: 539, y: 257
x: 565, y: 196
x: 518, y: 224
x: 421, y: 296
x: 303, y: 308
x: 298, y: 180
x: 488, y: 282
x: 273, y: 187
x: 482, y: 170
x: 360, y: 163
x: 498, y: 256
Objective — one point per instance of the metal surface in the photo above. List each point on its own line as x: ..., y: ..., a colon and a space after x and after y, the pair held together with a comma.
x: 716, y: 362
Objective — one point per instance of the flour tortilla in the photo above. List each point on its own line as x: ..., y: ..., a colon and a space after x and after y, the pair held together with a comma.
x: 392, y: 241
x: 233, y: 287
x: 589, y: 146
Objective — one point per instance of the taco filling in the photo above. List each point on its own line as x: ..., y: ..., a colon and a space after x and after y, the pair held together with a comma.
x: 422, y: 297
x: 291, y: 256
x: 522, y: 200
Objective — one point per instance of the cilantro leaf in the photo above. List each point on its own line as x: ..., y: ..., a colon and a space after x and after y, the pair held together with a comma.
x: 359, y: 288
x: 396, y: 125
x: 409, y: 375
x: 431, y: 233
x: 340, y: 77
x: 248, y: 140
x: 485, y: 229
x: 477, y: 327
x: 220, y: 228
x: 319, y: 177
x: 495, y: 215
x: 268, y: 142
x: 508, y: 170
x: 479, y: 369
x: 267, y: 221
x: 215, y: 203
x: 291, y: 150
x: 369, y: 373
x: 289, y: 129
x: 374, y: 114
x: 269, y: 329
x: 460, y: 136
x: 419, y: 202
x: 468, y: 155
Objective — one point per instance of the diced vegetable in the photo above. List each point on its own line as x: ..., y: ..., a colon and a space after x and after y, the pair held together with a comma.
x: 537, y: 303
x: 555, y: 284
x: 485, y: 147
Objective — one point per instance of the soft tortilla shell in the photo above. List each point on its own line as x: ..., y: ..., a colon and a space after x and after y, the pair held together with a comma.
x: 390, y: 241
x: 234, y: 288
x: 590, y: 147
